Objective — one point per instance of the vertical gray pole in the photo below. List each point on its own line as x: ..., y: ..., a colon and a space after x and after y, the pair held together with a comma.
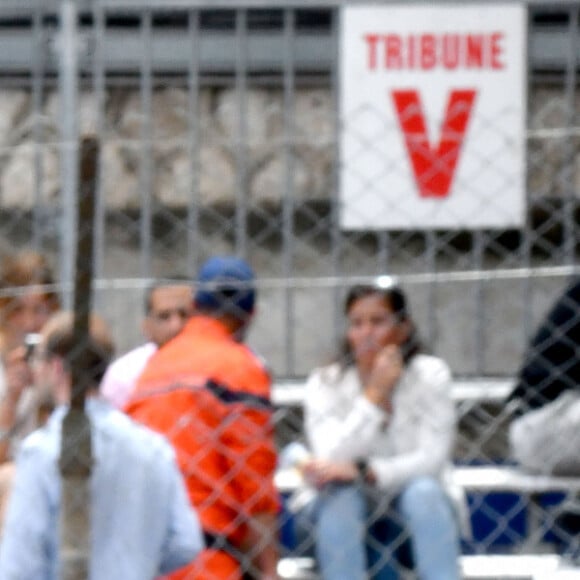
x: 569, y: 222
x: 289, y: 196
x: 194, y: 136
x: 37, y: 88
x: 480, y: 312
x: 68, y: 84
x: 527, y: 233
x: 431, y: 266
x: 99, y: 90
x: 146, y: 152
x: 336, y: 236
x: 384, y: 251
x: 76, y: 455
x: 242, y: 172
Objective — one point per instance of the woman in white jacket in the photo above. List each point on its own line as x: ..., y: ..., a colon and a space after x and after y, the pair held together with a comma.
x: 380, y: 424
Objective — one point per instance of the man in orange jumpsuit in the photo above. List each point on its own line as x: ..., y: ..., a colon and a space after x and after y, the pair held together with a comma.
x: 210, y: 395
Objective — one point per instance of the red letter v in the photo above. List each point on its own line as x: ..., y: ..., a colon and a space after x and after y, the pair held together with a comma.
x: 434, y: 168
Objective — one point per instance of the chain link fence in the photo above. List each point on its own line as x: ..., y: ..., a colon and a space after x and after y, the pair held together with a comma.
x: 220, y: 133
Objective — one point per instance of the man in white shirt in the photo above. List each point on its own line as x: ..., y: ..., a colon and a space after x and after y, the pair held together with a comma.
x: 168, y: 306
x: 141, y: 522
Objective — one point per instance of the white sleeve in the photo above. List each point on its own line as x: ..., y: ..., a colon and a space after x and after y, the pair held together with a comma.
x: 435, y: 421
x: 337, y: 438
x: 121, y: 375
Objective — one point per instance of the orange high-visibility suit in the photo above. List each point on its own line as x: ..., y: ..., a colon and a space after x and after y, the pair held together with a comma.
x: 210, y: 395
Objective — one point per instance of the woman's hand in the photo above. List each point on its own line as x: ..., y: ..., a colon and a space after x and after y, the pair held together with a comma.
x: 319, y: 472
x: 386, y: 371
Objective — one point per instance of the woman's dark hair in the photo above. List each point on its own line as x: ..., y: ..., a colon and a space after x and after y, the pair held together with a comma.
x: 396, y: 301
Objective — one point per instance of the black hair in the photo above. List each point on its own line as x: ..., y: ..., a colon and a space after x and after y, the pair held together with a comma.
x: 396, y: 301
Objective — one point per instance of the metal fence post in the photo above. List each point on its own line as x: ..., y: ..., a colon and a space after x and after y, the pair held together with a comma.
x: 76, y: 448
x: 68, y: 85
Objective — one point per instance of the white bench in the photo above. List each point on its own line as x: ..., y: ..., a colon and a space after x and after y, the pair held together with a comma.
x: 485, y: 479
x: 488, y: 567
x: 290, y: 392
x: 517, y: 566
x: 504, y: 478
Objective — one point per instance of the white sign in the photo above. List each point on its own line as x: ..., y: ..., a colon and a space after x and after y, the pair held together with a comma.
x: 433, y: 109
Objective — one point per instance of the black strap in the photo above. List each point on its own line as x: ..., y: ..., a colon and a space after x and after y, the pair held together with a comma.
x: 221, y: 543
x: 226, y: 395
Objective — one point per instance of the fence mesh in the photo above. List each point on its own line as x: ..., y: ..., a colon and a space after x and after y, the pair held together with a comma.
x: 219, y: 133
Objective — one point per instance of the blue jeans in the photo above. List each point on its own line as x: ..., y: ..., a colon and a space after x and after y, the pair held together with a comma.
x: 358, y: 535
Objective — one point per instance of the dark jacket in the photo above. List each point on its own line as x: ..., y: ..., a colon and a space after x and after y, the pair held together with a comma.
x: 552, y: 362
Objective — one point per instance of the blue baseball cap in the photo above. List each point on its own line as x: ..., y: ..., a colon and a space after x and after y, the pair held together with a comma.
x: 226, y: 283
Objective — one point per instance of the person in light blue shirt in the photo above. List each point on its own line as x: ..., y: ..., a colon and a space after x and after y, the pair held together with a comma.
x: 142, y: 524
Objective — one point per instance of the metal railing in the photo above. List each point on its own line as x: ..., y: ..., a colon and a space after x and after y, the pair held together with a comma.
x: 248, y: 163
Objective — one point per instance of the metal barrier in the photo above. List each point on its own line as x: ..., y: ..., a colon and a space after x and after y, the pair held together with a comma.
x: 220, y: 128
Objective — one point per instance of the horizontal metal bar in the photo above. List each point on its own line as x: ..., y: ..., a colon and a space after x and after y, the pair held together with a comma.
x: 549, y: 48
x: 123, y: 52
x: 232, y: 4
x: 23, y: 6
x: 219, y: 4
x: 313, y: 52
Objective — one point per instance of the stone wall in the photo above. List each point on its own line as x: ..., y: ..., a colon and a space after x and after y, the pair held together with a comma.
x: 308, y: 140
x: 168, y: 127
